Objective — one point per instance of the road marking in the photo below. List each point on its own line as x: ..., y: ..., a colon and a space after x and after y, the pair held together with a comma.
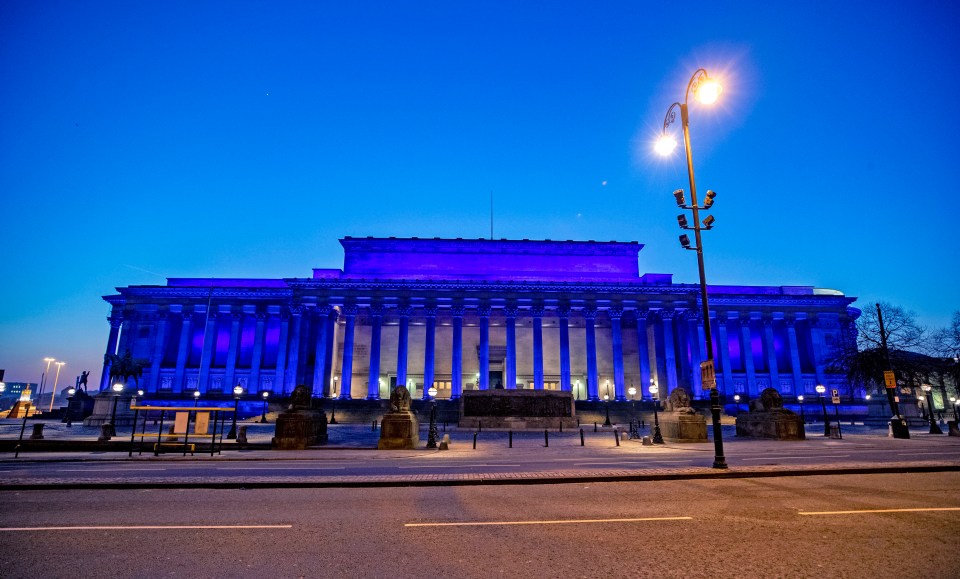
x: 919, y: 453
x: 806, y: 457
x: 144, y: 527
x: 882, y: 511
x: 107, y: 469
x: 457, y: 465
x: 635, y: 462
x: 281, y: 467
x: 565, y: 522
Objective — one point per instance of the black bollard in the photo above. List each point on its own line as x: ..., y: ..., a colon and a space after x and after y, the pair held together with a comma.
x: 511, y: 439
x: 595, y: 427
x: 616, y: 436
x: 546, y: 438
x: 444, y: 425
x: 474, y: 441
x: 373, y: 426
x: 643, y: 424
x: 561, y: 426
x: 581, y: 437
x: 479, y: 426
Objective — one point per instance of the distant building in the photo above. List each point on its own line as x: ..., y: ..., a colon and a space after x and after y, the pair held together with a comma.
x: 13, y: 391
x: 466, y: 314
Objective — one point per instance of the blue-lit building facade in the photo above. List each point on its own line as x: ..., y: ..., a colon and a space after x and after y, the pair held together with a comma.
x: 476, y: 314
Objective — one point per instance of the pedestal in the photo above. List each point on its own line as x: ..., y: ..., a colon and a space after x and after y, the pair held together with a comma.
x: 299, y: 429
x: 103, y: 409
x: 399, y: 431
x: 677, y: 427
x: 770, y: 425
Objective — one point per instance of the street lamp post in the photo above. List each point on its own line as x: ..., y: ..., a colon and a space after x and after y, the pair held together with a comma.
x: 654, y: 392
x: 43, y: 376
x: 826, y: 421
x: 196, y: 398
x: 953, y: 403
x: 736, y: 400
x: 237, y: 393
x: 432, y: 432
x: 53, y: 393
x: 803, y: 418
x: 117, y: 390
x: 707, y: 91
x: 69, y: 415
x: 263, y: 416
x: 934, y: 429
x: 606, y: 405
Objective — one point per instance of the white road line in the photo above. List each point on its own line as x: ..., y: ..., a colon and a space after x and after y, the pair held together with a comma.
x: 281, y: 468
x: 805, y: 457
x: 143, y: 527
x: 635, y: 462
x: 565, y: 522
x: 881, y: 511
x: 107, y: 470
x: 919, y: 453
x: 456, y: 465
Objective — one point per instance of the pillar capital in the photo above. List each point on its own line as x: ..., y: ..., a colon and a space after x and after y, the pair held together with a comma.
x: 589, y: 313
x: 116, y: 321
x: 457, y: 310
x: 404, y: 311
x: 537, y: 311
x: 296, y: 308
x: 615, y: 313
x: 350, y: 310
x: 563, y: 312
x: 641, y: 315
x: 430, y: 311
x: 510, y: 311
x: 483, y: 311
x: 666, y: 315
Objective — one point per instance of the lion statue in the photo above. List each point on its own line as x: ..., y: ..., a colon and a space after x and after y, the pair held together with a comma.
x: 301, y: 397
x: 400, y: 399
x: 770, y: 401
x: 679, y: 401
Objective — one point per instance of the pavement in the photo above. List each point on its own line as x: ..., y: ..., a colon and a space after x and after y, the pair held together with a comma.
x: 350, y: 459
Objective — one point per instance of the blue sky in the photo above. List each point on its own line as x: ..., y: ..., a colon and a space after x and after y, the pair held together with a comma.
x: 140, y: 140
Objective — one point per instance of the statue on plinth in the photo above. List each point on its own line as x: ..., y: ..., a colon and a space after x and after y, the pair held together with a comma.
x: 681, y: 422
x: 768, y: 418
x: 399, y: 428
x: 300, y: 425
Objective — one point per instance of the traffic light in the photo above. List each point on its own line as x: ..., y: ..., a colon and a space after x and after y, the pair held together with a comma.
x: 682, y: 220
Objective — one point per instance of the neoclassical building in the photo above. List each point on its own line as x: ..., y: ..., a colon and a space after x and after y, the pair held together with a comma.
x: 475, y: 314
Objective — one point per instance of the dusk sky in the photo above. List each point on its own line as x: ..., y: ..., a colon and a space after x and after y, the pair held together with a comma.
x: 145, y: 140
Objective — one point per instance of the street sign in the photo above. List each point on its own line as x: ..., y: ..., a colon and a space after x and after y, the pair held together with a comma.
x: 889, y: 379
x: 835, y: 396
x: 708, y: 376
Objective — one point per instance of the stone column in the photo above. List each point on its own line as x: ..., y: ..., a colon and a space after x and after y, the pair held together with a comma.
x: 231, y: 366
x: 281, y: 369
x: 670, y: 354
x: 158, y: 345
x: 456, y: 364
x: 373, y: 380
x: 183, y: 352
x: 321, y: 362
x: 723, y: 348
x: 484, y: 312
x: 206, y: 356
x: 537, y: 312
x: 795, y: 367
x: 116, y: 320
x: 331, y: 339
x: 643, y: 352
x: 429, y: 344
x: 697, y: 346
x: 256, y: 358
x: 511, y: 366
x: 746, y: 350
x: 819, y: 350
x: 293, y: 358
x: 404, y: 313
x: 564, y: 314
x: 346, y: 371
x: 771, y: 353
x: 617, y: 337
x: 593, y: 378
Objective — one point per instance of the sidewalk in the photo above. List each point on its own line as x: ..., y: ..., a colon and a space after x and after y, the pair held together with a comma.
x: 354, y: 445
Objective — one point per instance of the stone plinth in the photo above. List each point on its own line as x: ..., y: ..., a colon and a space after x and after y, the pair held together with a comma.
x: 299, y: 428
x: 517, y: 409
x: 683, y: 427
x: 783, y: 425
x: 103, y: 409
x: 399, y: 430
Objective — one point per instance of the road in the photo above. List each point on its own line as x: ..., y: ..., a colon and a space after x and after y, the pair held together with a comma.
x: 812, y: 526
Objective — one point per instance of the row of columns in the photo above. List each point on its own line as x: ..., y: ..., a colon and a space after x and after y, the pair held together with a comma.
x: 285, y: 375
